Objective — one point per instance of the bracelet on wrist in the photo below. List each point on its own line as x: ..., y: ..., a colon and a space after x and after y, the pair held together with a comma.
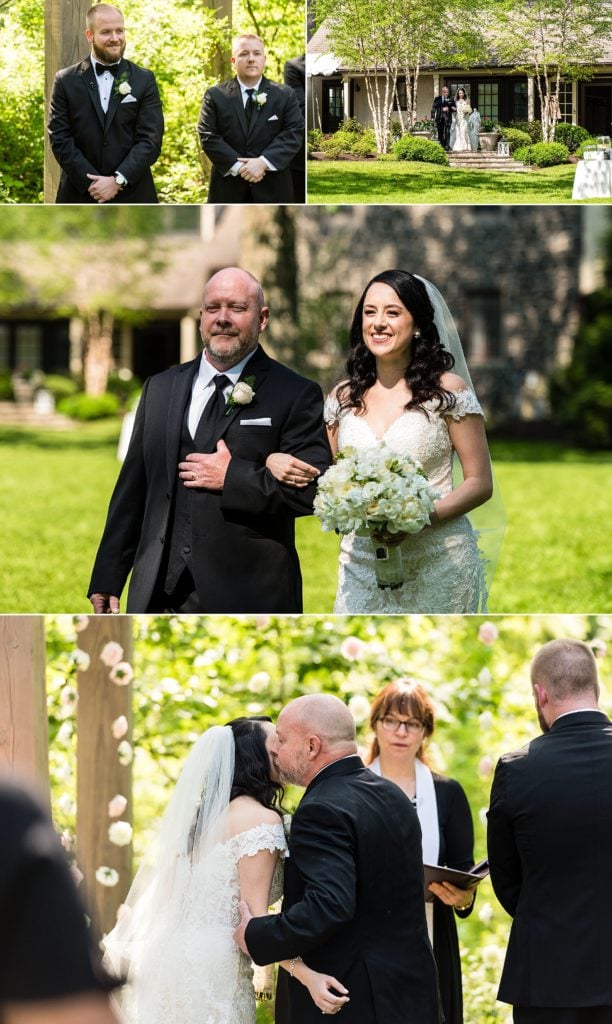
x: 294, y: 960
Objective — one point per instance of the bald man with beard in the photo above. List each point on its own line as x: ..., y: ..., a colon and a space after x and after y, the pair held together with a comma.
x: 353, y: 900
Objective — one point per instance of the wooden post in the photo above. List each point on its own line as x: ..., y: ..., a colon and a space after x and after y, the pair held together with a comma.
x: 65, y: 44
x: 24, y: 743
x: 100, y: 775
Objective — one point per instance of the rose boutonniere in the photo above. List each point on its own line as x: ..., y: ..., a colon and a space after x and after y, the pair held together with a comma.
x: 260, y: 98
x: 242, y: 393
x: 122, y: 86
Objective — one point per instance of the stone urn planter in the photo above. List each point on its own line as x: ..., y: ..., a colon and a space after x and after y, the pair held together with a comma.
x: 488, y: 141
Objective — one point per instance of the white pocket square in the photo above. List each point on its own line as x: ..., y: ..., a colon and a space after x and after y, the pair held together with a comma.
x: 273, y: 118
x: 129, y: 99
x: 263, y: 421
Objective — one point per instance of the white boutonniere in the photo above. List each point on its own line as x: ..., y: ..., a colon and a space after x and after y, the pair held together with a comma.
x: 242, y: 393
x: 122, y: 86
x: 260, y: 98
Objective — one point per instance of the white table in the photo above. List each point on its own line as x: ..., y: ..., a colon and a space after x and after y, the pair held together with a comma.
x: 593, y: 180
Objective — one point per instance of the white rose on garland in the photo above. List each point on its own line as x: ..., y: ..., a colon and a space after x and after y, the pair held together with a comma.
x: 120, y: 833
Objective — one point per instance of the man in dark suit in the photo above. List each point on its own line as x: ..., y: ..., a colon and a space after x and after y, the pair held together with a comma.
x: 295, y: 76
x: 250, y: 129
x: 204, y: 524
x: 105, y: 120
x: 442, y: 114
x: 353, y: 906
x: 550, y: 848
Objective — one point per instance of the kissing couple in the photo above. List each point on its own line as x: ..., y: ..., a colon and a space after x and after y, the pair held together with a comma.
x: 351, y: 937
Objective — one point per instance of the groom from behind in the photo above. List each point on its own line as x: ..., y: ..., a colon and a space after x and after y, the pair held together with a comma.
x: 354, y: 902
x: 105, y: 120
x: 250, y: 129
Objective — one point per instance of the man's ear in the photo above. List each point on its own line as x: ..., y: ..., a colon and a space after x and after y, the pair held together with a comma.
x: 541, y: 695
x: 314, y: 747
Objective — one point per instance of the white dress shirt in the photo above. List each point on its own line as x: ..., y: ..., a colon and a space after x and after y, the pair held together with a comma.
x: 203, y: 387
x: 235, y: 169
x: 104, y: 82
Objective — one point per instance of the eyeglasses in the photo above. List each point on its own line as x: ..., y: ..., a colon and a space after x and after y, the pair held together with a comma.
x: 390, y: 724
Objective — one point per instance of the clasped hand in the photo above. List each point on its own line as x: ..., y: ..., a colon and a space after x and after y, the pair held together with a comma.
x: 103, y: 187
x: 253, y: 169
x: 206, y: 471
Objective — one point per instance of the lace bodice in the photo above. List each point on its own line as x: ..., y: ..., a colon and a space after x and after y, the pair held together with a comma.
x: 444, y: 570
x: 197, y: 974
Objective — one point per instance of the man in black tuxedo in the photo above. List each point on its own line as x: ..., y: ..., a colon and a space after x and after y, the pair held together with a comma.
x: 295, y: 76
x: 354, y: 904
x: 442, y: 114
x: 204, y: 524
x: 105, y: 120
x: 250, y: 129
x: 550, y: 848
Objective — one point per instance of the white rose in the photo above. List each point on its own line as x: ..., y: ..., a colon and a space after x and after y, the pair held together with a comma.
x: 359, y: 708
x: 242, y: 394
x: 112, y: 653
x: 488, y: 633
x: 80, y: 622
x: 107, y: 876
x: 259, y: 682
x: 122, y: 673
x: 352, y: 648
x: 124, y: 88
x: 261, y: 98
x: 81, y: 659
x: 116, y: 806
x: 125, y: 754
x: 119, y: 727
x: 120, y: 833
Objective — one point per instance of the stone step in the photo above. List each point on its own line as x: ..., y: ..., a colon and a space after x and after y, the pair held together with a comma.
x: 14, y: 415
x: 485, y: 161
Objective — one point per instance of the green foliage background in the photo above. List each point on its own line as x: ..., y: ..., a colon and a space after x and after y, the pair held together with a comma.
x: 21, y: 101
x: 194, y: 672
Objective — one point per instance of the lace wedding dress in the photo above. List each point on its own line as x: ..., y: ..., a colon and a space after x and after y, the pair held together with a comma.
x: 194, y: 973
x: 443, y: 568
x: 461, y: 136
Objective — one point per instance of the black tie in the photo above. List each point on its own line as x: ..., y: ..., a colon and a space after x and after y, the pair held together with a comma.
x: 113, y: 68
x: 250, y: 105
x: 214, y: 410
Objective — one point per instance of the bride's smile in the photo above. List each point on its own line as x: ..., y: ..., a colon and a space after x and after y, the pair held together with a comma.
x: 388, y: 327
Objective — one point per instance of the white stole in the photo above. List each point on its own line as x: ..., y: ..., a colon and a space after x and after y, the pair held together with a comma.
x: 427, y: 813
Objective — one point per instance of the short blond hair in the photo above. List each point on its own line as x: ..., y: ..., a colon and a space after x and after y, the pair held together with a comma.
x: 247, y: 35
x: 90, y: 17
x: 567, y: 668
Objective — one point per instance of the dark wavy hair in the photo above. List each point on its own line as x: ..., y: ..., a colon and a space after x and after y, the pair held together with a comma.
x: 252, y: 763
x: 429, y: 359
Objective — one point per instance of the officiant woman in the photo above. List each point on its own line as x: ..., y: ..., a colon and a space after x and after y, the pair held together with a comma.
x: 402, y: 720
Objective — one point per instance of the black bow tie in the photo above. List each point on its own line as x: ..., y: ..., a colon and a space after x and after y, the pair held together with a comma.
x: 113, y: 68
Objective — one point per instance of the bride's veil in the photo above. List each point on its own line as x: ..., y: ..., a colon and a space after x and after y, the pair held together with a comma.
x: 489, y: 520
x: 194, y: 822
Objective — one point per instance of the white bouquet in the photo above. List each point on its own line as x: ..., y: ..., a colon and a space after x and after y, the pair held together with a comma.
x: 375, y: 490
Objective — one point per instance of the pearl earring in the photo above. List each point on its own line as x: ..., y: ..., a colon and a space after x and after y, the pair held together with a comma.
x: 417, y: 333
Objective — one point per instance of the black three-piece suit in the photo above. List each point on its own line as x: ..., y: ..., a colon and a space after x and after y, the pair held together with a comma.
x: 85, y: 140
x: 353, y: 904
x: 550, y: 855
x: 275, y: 130
x: 242, y: 539
x: 442, y: 112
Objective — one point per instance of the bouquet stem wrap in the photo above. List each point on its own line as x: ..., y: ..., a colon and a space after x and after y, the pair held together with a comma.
x: 387, y: 565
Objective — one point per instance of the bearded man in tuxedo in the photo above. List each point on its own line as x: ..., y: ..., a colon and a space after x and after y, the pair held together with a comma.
x: 250, y: 129
x: 195, y: 511
x: 105, y: 120
x: 353, y: 904
x: 550, y: 848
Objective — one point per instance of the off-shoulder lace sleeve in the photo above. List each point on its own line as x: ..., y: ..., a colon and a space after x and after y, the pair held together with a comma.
x: 466, y: 404
x: 331, y: 410
x: 261, y: 837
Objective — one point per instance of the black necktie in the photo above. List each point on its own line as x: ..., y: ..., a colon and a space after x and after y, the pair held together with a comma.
x: 113, y: 68
x: 214, y: 410
x: 250, y: 105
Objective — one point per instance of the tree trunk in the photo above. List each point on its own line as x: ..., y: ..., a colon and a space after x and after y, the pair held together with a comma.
x: 98, y: 352
x: 100, y: 776
x: 65, y: 44
x: 24, y: 744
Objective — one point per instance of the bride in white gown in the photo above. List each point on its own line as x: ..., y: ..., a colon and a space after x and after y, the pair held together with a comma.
x: 460, y: 135
x: 400, y: 390
x: 221, y: 840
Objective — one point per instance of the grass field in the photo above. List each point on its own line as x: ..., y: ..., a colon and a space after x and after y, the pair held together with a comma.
x: 556, y: 555
x: 400, y: 181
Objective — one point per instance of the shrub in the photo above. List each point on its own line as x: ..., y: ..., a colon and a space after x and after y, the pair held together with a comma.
x: 353, y: 126
x: 89, y: 407
x: 515, y: 138
x: 422, y: 150
x: 395, y: 130
x: 591, y: 141
x: 533, y: 129
x: 571, y: 135
x: 315, y: 138
x: 6, y: 387
x: 339, y: 142
x: 364, y: 147
x: 543, y: 154
x: 123, y: 387
x: 60, y: 386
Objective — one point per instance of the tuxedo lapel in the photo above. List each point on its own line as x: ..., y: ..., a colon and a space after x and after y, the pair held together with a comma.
x: 115, y: 97
x: 88, y: 77
x: 181, y: 391
x: 257, y: 367
x: 258, y: 113
x: 235, y: 97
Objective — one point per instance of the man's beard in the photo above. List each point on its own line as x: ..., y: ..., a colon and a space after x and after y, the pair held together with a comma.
x: 293, y: 776
x: 544, y: 726
x: 107, y: 56
x: 233, y: 353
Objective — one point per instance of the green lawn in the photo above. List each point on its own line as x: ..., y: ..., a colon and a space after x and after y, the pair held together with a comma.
x: 400, y: 181
x: 556, y: 555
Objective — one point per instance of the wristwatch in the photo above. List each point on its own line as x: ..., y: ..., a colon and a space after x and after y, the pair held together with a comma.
x: 120, y: 179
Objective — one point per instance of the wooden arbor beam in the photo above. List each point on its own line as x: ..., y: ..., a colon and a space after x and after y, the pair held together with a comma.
x: 65, y: 44
x: 101, y: 775
x: 24, y: 742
